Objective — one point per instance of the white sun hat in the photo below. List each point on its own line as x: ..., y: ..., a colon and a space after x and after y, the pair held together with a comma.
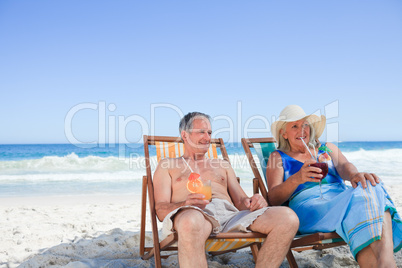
x: 293, y: 113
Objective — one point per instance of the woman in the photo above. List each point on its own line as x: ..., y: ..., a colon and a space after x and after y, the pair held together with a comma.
x: 363, y: 215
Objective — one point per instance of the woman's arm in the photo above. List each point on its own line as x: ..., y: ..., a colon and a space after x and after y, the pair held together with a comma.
x: 279, y: 191
x: 348, y: 171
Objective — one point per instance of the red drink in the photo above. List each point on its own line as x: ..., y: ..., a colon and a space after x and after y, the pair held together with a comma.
x: 324, y: 168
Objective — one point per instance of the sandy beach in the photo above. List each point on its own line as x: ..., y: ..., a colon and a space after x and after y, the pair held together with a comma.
x: 103, y: 231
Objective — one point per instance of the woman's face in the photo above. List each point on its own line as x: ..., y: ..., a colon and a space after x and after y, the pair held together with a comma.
x: 297, y: 130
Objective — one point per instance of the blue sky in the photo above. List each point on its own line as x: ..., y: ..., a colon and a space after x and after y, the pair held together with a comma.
x: 111, y: 71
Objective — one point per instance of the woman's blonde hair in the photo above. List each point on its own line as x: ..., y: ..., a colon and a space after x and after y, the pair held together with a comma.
x: 283, y: 144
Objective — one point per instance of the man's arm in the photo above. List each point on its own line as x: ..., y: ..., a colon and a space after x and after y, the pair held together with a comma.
x: 237, y: 194
x: 163, y: 190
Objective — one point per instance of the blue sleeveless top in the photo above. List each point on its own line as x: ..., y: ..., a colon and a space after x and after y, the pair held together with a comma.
x: 292, y: 166
x: 356, y: 214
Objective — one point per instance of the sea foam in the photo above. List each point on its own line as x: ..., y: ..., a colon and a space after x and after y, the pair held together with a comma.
x: 72, y: 174
x: 65, y: 164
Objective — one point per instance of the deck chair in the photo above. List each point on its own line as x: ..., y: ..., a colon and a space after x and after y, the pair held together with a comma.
x: 263, y: 147
x: 217, y: 244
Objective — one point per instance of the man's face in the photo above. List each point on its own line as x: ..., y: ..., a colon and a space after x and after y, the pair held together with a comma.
x: 199, y: 137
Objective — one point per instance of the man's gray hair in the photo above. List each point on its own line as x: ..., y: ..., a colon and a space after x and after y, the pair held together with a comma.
x: 186, y: 123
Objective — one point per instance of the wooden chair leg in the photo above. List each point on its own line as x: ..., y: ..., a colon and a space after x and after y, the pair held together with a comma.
x: 291, y: 259
x: 143, y: 215
x: 254, y: 249
x: 157, y: 258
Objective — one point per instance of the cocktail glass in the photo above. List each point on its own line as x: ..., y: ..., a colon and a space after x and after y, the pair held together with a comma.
x: 206, y: 190
x: 197, y: 185
x: 324, y: 171
x: 322, y: 165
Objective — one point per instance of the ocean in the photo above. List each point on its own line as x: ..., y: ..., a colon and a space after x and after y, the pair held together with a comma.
x: 68, y: 169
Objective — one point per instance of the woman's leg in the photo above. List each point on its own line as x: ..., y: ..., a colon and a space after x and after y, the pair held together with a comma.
x: 379, y: 253
x: 366, y: 258
x: 384, y: 249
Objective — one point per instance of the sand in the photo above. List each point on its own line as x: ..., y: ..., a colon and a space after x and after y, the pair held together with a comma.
x: 103, y: 231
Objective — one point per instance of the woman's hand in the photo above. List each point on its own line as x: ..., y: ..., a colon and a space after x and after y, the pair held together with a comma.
x: 363, y: 177
x: 255, y: 202
x: 308, y: 173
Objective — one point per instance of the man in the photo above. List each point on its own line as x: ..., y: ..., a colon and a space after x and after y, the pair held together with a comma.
x: 194, y: 218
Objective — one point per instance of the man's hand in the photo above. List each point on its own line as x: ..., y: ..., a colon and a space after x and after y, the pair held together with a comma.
x: 255, y: 202
x: 363, y: 177
x: 196, y: 200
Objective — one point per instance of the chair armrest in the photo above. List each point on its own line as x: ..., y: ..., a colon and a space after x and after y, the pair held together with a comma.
x: 256, y: 189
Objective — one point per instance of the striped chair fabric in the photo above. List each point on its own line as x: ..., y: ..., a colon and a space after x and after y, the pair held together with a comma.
x: 176, y: 149
x: 227, y: 244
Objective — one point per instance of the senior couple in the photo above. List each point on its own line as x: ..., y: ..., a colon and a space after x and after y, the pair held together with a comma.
x: 363, y: 215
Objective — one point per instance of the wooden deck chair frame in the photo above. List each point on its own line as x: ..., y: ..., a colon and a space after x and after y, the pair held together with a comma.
x: 252, y: 239
x: 315, y: 241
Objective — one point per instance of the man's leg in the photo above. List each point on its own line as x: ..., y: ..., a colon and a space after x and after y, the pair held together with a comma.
x: 281, y: 225
x: 193, y: 230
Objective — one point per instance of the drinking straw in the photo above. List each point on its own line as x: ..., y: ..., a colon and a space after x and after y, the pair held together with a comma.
x: 307, y: 148
x: 302, y: 135
x: 315, y: 152
x: 187, y: 164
